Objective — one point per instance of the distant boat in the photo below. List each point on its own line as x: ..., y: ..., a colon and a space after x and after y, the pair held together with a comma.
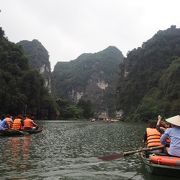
x: 93, y: 120
x: 114, y: 120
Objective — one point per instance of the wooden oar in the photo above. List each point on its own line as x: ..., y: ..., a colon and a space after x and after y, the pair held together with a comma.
x: 119, y: 155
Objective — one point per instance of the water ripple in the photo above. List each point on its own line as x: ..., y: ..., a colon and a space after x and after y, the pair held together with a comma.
x: 69, y: 151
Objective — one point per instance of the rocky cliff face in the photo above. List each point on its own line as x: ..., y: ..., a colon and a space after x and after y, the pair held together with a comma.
x: 90, y: 77
x: 38, y: 58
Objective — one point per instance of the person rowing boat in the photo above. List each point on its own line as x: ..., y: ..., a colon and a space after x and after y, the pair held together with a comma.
x: 173, y: 134
x: 29, y: 124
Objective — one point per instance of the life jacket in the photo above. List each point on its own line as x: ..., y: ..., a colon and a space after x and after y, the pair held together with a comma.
x: 9, y: 121
x: 28, y: 123
x: 17, y: 124
x: 153, y: 137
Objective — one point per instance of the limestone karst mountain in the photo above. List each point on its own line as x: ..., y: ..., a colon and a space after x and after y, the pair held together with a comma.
x: 22, y: 87
x: 38, y: 58
x: 149, y: 81
x: 92, y: 76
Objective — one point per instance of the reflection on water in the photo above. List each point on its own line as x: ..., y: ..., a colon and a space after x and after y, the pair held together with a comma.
x: 14, y: 154
x: 69, y: 150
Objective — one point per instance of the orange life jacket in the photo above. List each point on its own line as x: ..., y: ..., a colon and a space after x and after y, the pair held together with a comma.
x: 153, y: 137
x: 28, y: 123
x: 9, y: 121
x: 17, y: 124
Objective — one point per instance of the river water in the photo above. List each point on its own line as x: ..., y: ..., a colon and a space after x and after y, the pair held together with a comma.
x: 69, y: 150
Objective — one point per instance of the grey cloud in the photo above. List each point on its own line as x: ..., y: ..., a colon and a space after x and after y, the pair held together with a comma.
x: 68, y: 28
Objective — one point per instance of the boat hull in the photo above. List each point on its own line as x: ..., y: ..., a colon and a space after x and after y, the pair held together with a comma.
x: 162, y: 170
x: 33, y: 131
x: 14, y: 133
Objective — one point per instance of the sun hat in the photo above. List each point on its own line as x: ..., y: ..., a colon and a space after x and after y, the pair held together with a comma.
x: 175, y: 120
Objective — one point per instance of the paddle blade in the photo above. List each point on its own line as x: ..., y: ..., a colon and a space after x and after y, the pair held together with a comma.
x: 111, y: 157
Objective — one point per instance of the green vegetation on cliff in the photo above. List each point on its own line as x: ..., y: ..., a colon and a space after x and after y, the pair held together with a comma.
x: 90, y: 77
x: 22, y: 88
x: 38, y: 59
x: 149, y: 82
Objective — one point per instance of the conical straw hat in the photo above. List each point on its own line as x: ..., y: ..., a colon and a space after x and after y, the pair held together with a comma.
x: 175, y: 120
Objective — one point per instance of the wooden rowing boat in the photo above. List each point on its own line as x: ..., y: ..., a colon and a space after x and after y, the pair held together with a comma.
x: 160, y: 169
x: 33, y: 131
x: 13, y: 133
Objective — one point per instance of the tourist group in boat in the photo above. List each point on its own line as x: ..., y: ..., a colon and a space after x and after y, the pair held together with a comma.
x: 18, y: 123
x: 164, y: 133
x: 162, y: 139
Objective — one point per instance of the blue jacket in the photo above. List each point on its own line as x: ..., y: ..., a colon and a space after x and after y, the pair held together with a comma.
x: 174, y: 135
x: 3, y: 125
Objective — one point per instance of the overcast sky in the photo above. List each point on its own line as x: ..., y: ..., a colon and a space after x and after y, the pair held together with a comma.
x: 68, y: 28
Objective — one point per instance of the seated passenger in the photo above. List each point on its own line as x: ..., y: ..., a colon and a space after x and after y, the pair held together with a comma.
x: 9, y: 120
x: 173, y: 134
x: 18, y: 123
x: 152, y: 137
x: 29, y: 123
x: 3, y: 124
x: 161, y: 127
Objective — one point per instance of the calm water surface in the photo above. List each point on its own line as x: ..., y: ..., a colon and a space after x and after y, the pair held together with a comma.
x: 69, y: 150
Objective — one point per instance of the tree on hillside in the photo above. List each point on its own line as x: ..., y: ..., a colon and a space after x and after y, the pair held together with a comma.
x: 139, y: 94
x: 86, y: 106
x: 21, y: 86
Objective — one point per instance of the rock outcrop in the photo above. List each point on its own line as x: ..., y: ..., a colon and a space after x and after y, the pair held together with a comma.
x: 38, y: 58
